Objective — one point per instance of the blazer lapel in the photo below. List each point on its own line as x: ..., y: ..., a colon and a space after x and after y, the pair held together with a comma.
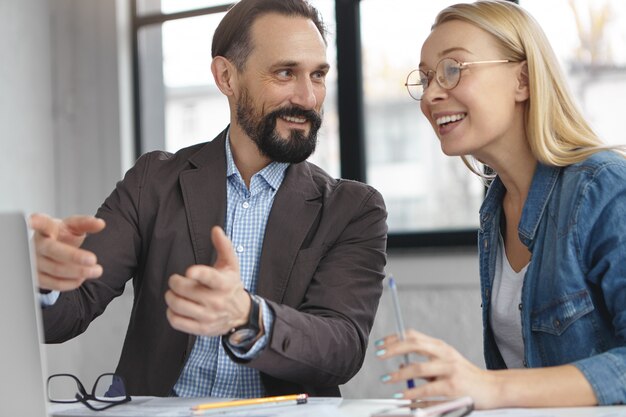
x: 204, y: 195
x: 296, y: 205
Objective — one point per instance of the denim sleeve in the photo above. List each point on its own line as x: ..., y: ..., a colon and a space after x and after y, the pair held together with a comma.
x: 259, y: 345
x: 601, y: 228
x: 606, y: 373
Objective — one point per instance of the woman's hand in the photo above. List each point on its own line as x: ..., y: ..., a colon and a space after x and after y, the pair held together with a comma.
x: 445, y: 372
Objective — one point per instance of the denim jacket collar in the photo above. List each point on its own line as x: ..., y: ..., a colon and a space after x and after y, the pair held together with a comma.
x: 541, y: 187
x: 543, y: 182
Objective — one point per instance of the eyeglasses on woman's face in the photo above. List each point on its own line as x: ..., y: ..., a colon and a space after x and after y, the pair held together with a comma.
x: 447, y: 73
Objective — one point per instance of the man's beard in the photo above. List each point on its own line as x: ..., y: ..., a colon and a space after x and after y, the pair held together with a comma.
x: 262, y: 130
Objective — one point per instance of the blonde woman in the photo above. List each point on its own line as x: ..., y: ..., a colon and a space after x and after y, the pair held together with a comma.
x: 552, y: 239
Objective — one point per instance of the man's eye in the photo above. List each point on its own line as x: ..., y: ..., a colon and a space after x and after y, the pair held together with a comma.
x: 286, y: 73
x: 319, y: 75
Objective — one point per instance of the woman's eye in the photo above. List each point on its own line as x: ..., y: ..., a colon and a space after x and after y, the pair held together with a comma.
x: 452, y: 71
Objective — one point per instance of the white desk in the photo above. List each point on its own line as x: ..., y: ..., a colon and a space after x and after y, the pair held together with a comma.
x: 328, y: 407
x: 364, y: 408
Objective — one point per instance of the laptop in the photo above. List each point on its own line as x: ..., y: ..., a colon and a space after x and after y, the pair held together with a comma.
x: 22, y: 356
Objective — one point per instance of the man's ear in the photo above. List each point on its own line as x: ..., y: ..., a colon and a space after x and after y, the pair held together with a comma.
x: 522, y: 92
x: 225, y: 75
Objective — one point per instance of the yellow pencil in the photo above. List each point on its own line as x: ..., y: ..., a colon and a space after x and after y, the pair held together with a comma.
x: 278, y: 400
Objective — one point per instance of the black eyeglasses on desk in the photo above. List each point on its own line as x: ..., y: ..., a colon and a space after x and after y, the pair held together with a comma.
x: 108, y: 391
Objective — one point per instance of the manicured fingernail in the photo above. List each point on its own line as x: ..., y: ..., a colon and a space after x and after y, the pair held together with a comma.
x: 379, y: 343
x: 398, y: 395
x: 385, y: 378
x: 381, y: 352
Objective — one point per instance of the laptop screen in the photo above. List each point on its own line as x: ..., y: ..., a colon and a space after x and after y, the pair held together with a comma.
x: 22, y: 357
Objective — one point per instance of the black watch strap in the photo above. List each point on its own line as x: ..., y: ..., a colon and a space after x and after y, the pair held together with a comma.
x: 243, y: 336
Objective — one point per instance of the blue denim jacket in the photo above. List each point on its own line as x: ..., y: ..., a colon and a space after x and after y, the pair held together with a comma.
x: 573, y: 307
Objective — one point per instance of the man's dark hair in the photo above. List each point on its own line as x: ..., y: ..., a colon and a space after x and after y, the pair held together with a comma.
x: 232, y: 36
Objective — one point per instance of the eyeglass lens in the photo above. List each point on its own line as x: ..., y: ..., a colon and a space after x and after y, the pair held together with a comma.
x: 108, y: 386
x: 66, y: 388
x: 448, y: 73
x: 63, y: 388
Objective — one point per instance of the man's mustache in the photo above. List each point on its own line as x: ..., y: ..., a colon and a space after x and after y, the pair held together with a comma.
x: 310, y: 115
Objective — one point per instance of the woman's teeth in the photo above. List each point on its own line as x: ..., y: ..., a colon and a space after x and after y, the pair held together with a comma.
x: 448, y: 119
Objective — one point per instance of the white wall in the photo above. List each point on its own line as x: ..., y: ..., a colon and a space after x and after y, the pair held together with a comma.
x: 91, y: 111
x: 65, y: 112
x: 65, y: 117
x: 439, y: 295
x: 26, y: 142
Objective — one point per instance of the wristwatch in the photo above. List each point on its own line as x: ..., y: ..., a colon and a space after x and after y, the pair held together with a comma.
x: 243, y: 336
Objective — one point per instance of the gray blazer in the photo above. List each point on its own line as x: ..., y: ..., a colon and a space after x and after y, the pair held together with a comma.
x: 321, y: 269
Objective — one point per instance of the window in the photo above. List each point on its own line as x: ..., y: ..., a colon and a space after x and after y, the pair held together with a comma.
x: 589, y: 39
x: 180, y: 103
x: 425, y: 191
x: 432, y: 199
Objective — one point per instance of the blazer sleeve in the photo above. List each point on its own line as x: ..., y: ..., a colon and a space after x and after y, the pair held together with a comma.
x: 322, y: 341
x: 117, y: 249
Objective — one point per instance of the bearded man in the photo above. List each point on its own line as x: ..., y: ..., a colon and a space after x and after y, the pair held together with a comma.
x: 254, y: 272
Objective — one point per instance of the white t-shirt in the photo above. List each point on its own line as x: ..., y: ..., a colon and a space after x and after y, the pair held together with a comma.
x: 505, y: 315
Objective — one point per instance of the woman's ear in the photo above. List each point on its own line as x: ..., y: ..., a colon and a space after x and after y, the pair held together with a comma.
x: 225, y: 75
x: 522, y: 92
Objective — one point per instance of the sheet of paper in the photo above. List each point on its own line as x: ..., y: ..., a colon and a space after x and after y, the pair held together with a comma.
x: 555, y: 412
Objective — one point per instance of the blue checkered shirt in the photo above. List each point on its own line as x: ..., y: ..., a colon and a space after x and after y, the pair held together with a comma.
x: 209, y: 372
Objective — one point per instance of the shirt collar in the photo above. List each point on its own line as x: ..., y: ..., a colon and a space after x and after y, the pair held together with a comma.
x: 273, y: 174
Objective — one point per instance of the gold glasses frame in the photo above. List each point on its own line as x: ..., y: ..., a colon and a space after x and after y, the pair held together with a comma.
x: 416, y: 89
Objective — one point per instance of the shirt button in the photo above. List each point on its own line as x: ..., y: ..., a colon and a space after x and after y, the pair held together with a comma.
x: 519, y: 306
x: 240, y: 248
x: 245, y: 204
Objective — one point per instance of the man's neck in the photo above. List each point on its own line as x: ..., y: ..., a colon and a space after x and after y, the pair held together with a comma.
x: 246, y: 154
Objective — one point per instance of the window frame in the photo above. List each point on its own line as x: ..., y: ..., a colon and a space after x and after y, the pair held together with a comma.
x: 352, y: 145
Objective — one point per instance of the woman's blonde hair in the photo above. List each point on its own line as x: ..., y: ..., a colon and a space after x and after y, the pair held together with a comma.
x: 557, y: 132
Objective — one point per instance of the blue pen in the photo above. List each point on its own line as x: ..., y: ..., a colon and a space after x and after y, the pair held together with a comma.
x: 399, y: 322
